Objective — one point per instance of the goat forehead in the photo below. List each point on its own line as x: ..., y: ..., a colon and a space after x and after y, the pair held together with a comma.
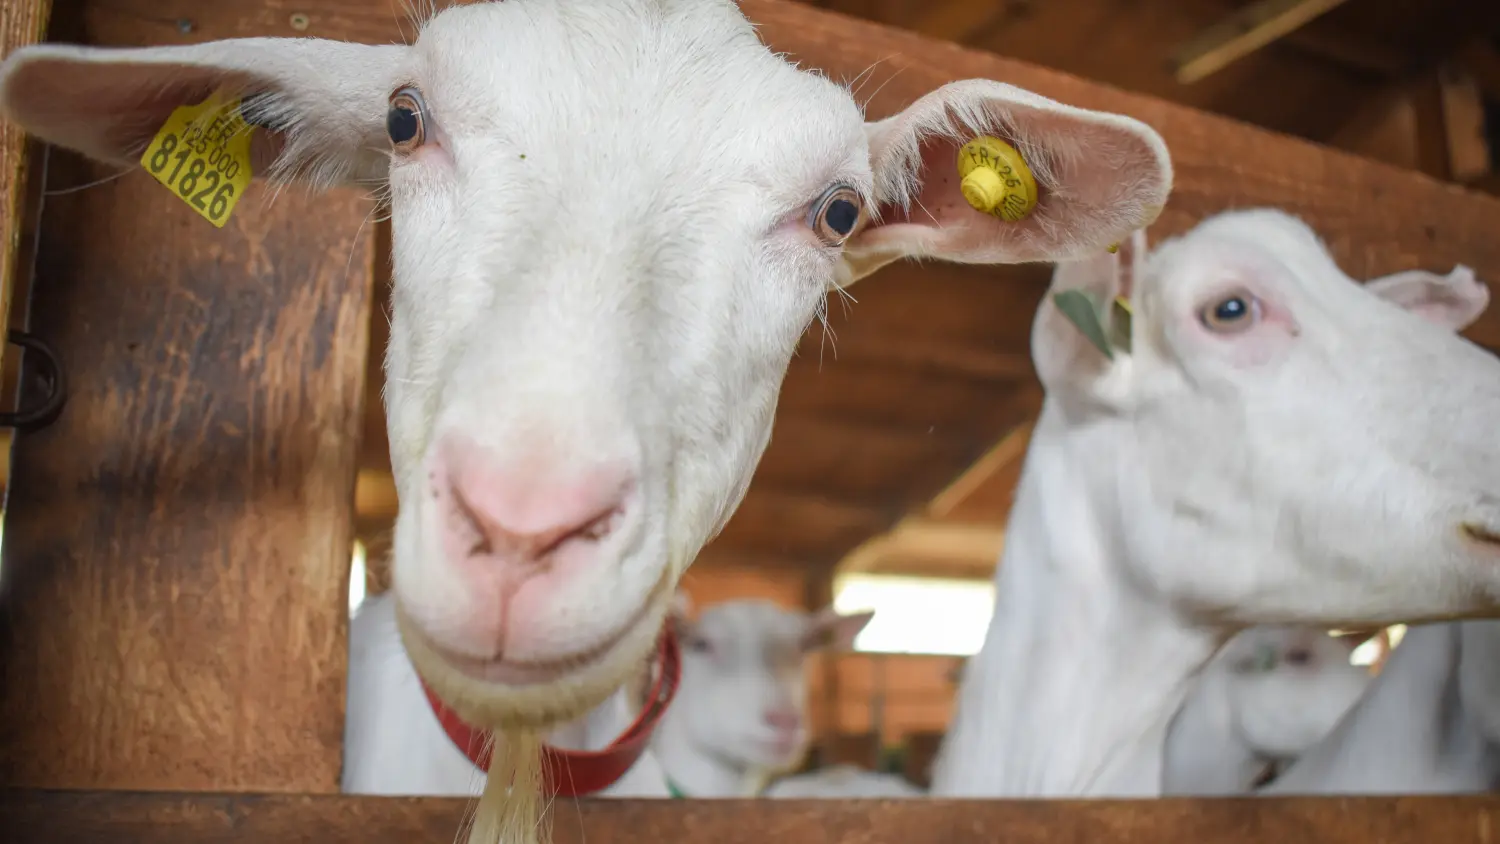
x: 632, y: 90
x: 1282, y: 250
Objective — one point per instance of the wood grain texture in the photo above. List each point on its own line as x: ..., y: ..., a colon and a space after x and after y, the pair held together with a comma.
x: 22, y: 22
x: 177, y: 544
x: 88, y: 818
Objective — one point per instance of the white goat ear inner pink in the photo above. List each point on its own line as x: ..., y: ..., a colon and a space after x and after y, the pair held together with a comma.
x: 577, y: 773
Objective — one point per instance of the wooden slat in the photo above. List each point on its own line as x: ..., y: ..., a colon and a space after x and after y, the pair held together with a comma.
x: 1243, y: 32
x: 1433, y: 149
x: 69, y: 818
x: 21, y: 22
x: 177, y: 546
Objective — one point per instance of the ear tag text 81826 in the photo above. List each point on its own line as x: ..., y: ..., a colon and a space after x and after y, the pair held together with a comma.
x: 202, y: 155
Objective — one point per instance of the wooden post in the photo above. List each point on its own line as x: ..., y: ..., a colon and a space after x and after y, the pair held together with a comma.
x: 22, y: 22
x: 177, y: 546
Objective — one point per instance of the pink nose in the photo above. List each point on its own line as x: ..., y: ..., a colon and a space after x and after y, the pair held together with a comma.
x: 523, y: 512
x: 784, y: 720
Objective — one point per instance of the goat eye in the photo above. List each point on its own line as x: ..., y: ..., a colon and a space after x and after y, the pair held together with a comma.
x: 1232, y: 314
x: 1298, y: 656
x: 835, y: 215
x: 403, y: 121
x: 699, y: 645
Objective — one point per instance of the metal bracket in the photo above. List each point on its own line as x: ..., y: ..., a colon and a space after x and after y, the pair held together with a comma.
x: 43, y: 362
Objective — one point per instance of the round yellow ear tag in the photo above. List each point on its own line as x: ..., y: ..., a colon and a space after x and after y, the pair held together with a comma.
x: 995, y: 179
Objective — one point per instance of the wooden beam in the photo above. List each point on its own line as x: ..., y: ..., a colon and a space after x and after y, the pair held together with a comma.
x: 1433, y: 151
x: 1012, y: 447
x: 1481, y: 61
x: 88, y: 818
x: 176, y: 552
x: 923, y: 546
x: 1352, y: 52
x: 958, y: 20
x: 1243, y: 32
x: 22, y: 22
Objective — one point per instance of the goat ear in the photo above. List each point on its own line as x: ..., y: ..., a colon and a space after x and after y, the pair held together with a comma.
x: 326, y: 100
x: 1061, y: 350
x: 1099, y: 176
x: 1451, y: 301
x: 828, y: 630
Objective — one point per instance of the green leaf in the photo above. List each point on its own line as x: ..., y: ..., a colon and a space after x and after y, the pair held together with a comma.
x: 1080, y: 309
x: 1119, y: 325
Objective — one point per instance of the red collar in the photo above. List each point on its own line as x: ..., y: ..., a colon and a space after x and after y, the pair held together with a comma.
x: 575, y: 773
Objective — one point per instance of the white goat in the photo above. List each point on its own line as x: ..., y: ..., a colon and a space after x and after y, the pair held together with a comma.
x: 1258, y: 456
x: 740, y: 717
x: 1429, y: 724
x: 613, y: 219
x: 395, y: 745
x: 1267, y: 697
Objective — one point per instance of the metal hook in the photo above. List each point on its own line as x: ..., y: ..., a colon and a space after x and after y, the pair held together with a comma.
x: 51, y: 372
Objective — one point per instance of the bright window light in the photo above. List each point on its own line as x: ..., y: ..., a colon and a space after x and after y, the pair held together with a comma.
x: 1368, y: 651
x: 917, y: 614
x: 357, y: 578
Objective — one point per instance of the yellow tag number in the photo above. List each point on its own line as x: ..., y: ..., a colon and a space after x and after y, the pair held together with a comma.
x: 202, y: 155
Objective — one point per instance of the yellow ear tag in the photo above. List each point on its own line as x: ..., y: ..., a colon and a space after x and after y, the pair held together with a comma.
x: 995, y: 179
x: 202, y: 155
x: 1113, y: 248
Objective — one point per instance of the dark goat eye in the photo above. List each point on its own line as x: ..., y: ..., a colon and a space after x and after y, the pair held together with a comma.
x: 1232, y: 314
x: 404, y: 120
x: 835, y: 215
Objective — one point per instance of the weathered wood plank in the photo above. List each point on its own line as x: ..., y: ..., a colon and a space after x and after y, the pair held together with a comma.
x: 22, y: 22
x: 87, y: 818
x: 177, y: 544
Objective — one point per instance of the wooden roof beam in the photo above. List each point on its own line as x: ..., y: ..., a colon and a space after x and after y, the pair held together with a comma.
x: 918, y: 540
x: 1011, y: 447
x: 1246, y: 30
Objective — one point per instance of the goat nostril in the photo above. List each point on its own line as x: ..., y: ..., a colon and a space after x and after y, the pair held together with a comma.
x: 525, y: 512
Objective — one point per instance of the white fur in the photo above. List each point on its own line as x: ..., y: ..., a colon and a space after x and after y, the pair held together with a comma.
x: 742, y: 660
x: 394, y: 745
x: 1429, y: 724
x: 1316, y: 470
x: 603, y: 262
x: 1267, y: 697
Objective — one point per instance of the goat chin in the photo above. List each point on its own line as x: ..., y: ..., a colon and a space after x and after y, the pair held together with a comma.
x: 511, y: 808
x: 541, y: 706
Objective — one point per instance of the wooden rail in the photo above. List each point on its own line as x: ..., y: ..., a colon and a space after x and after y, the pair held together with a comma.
x: 124, y: 818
